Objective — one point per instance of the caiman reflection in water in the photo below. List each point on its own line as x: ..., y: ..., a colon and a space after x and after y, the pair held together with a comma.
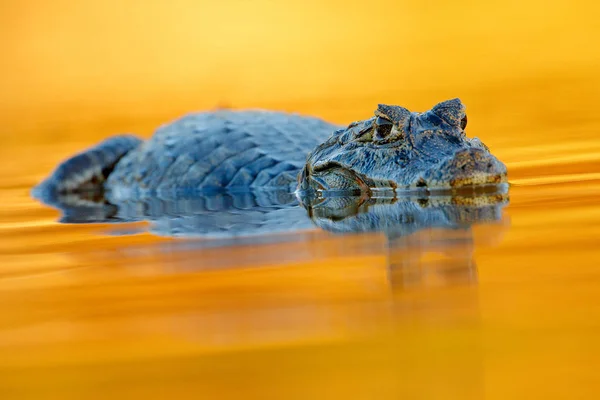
x: 417, y: 229
x: 416, y: 226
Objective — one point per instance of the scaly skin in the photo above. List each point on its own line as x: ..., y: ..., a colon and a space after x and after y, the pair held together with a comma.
x: 397, y: 149
x: 244, y: 150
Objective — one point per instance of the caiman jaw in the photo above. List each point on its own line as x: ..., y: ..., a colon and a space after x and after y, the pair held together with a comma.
x: 333, y: 176
x: 479, y: 179
x: 469, y: 167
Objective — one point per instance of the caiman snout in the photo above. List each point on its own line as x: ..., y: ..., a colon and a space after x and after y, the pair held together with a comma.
x: 467, y: 167
x: 475, y: 167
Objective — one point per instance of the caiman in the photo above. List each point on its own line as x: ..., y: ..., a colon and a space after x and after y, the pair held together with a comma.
x: 228, y: 150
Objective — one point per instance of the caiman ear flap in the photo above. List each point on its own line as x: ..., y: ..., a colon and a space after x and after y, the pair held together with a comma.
x: 451, y: 111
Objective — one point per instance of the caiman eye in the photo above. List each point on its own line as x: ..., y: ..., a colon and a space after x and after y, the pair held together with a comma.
x: 383, y: 127
x: 463, y: 122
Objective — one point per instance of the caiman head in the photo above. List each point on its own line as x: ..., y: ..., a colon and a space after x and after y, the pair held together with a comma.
x: 399, y: 149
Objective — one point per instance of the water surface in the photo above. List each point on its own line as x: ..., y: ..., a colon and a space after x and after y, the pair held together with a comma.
x: 505, y: 307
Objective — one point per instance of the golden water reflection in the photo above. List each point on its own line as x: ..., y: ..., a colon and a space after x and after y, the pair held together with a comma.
x: 503, y: 310
x: 507, y: 310
x: 452, y: 314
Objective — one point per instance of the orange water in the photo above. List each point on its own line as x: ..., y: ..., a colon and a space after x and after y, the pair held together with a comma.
x: 514, y: 313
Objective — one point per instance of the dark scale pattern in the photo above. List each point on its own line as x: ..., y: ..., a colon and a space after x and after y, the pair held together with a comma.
x: 88, y: 168
x: 222, y: 149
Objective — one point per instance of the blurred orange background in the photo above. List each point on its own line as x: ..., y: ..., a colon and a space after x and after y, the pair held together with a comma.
x: 68, y: 60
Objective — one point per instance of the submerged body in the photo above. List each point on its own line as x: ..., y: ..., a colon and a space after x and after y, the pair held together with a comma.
x: 247, y: 150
